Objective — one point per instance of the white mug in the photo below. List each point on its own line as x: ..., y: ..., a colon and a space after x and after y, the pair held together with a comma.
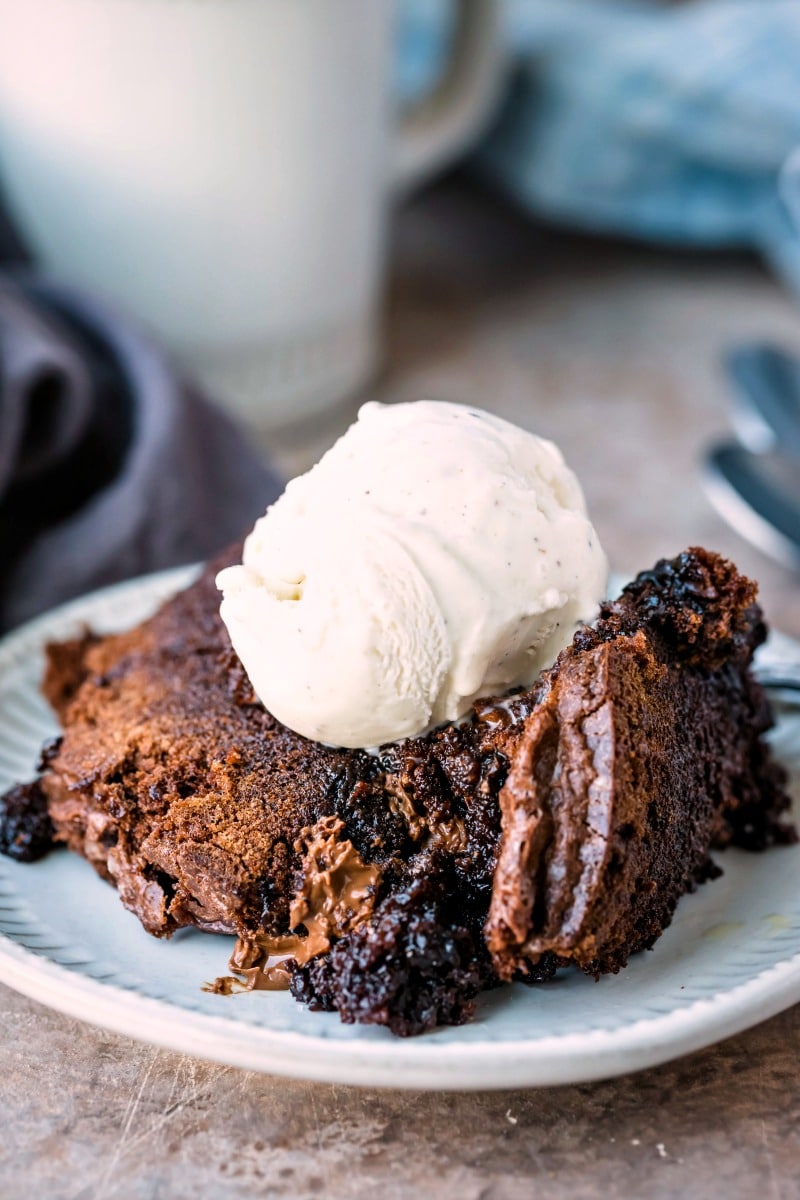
x: 223, y: 168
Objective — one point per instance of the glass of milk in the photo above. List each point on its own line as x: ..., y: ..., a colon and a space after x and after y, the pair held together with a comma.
x: 223, y: 169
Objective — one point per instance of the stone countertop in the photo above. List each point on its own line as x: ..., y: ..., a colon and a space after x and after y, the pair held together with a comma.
x: 613, y: 351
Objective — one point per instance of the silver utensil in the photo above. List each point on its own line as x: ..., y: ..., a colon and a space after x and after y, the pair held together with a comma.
x: 759, y: 495
x: 779, y: 679
x: 782, y: 681
x: 766, y: 399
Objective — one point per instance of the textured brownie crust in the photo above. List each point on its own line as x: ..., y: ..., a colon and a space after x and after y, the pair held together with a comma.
x: 645, y: 751
x: 26, y: 831
x: 183, y: 791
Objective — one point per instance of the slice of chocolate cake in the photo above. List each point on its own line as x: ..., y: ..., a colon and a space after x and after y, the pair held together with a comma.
x: 575, y: 814
x: 644, y: 751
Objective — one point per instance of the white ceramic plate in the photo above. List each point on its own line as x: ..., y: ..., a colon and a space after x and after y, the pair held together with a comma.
x: 730, y: 959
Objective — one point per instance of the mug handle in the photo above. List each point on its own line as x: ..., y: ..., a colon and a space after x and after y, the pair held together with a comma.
x: 438, y: 129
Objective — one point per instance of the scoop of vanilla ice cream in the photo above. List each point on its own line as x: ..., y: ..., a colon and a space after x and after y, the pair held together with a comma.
x: 435, y: 554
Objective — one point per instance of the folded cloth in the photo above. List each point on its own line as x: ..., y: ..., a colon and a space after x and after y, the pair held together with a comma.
x: 667, y: 122
x: 111, y: 464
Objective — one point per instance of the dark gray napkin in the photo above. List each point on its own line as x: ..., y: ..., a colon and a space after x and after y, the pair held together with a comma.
x: 111, y: 463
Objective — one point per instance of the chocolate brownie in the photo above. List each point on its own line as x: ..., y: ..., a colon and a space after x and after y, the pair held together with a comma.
x: 567, y: 819
x: 644, y: 751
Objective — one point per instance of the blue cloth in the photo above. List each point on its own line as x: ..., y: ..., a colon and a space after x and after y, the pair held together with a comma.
x: 671, y: 123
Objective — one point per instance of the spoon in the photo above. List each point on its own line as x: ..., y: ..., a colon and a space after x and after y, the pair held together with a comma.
x: 766, y: 406
x: 759, y: 495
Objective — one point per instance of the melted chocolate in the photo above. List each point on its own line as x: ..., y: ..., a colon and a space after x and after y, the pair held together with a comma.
x: 336, y: 894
